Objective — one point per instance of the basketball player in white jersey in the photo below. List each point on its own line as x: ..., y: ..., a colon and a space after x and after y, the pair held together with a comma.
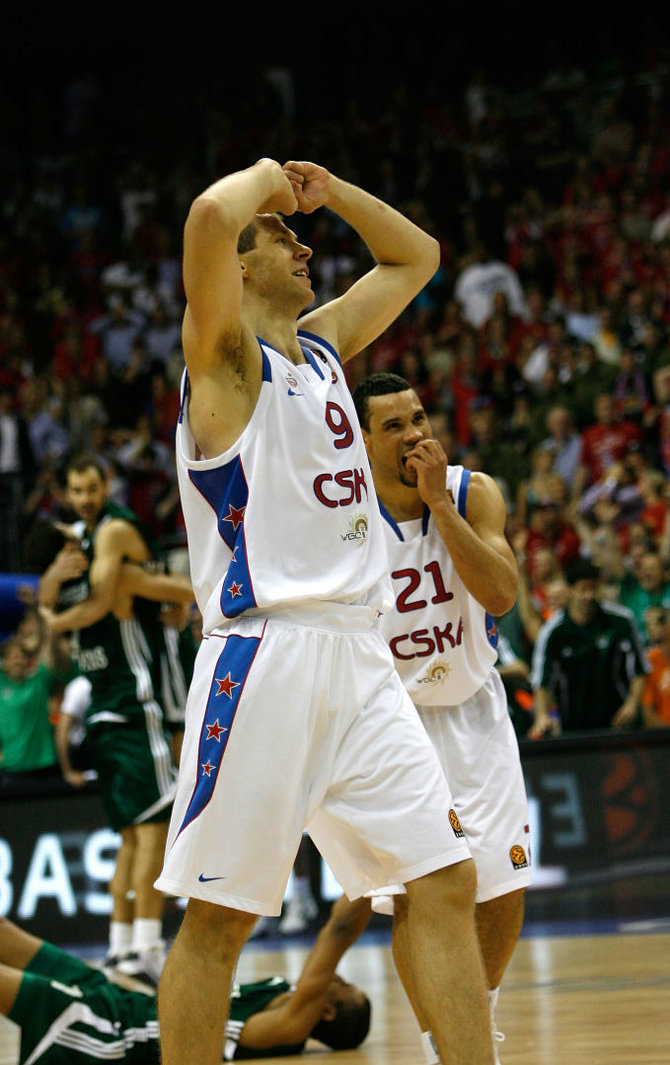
x: 296, y: 717
x: 453, y: 572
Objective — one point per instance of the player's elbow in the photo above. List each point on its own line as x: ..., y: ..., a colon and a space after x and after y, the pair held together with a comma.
x: 209, y: 217
x: 429, y: 257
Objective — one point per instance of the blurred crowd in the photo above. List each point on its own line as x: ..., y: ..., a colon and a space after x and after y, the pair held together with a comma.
x: 541, y: 348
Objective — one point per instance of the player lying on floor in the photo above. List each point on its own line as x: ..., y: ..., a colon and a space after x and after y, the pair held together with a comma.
x: 69, y: 1012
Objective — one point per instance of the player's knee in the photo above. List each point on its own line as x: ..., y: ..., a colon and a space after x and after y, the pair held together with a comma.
x: 453, y: 887
x: 218, y: 930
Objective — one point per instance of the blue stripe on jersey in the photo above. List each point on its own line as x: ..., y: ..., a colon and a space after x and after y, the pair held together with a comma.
x: 387, y: 517
x: 230, y: 675
x: 320, y: 340
x: 225, y: 489
x: 425, y: 518
x: 491, y: 630
x: 462, y: 492
x: 237, y: 590
x: 266, y: 365
x: 227, y: 493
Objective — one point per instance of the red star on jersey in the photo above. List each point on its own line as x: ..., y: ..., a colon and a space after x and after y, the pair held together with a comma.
x: 214, y: 731
x: 226, y: 685
x: 235, y: 589
x: 492, y: 632
x: 207, y: 768
x: 235, y: 515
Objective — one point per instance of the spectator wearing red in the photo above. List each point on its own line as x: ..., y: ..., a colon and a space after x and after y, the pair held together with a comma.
x: 605, y: 441
x: 549, y: 529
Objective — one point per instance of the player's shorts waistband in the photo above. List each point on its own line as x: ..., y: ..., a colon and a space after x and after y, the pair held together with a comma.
x: 344, y: 618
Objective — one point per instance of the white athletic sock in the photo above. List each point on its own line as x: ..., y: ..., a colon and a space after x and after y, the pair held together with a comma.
x: 302, y: 887
x: 429, y: 1049
x: 120, y: 938
x: 146, y: 933
x: 493, y: 1002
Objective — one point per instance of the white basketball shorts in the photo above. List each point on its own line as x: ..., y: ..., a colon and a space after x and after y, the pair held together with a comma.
x: 287, y: 727
x: 479, y: 754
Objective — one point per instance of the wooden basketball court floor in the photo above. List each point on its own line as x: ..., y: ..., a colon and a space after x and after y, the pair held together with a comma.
x: 584, y: 988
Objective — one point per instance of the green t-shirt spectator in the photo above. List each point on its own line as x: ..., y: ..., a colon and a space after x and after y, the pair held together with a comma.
x: 26, y: 733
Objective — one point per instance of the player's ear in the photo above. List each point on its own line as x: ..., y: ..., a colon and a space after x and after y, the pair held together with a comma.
x: 329, y: 1011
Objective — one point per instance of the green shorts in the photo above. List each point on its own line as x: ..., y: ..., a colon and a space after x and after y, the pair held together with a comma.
x: 136, y: 772
x: 70, y: 1014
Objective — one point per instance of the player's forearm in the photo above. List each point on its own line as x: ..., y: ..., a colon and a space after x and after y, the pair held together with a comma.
x: 79, y: 616
x: 490, y: 577
x: 232, y: 201
x: 49, y: 586
x: 391, y: 237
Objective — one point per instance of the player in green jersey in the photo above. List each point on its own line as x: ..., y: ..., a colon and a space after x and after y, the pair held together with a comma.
x: 70, y: 1013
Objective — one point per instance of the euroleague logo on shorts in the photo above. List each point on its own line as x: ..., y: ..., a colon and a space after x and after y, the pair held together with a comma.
x: 455, y: 824
x: 518, y: 857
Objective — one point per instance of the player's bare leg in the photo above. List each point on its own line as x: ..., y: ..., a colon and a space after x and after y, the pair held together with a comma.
x: 195, y: 987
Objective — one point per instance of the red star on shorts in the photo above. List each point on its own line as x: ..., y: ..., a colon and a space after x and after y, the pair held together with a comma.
x: 235, y: 515
x: 226, y: 685
x: 207, y: 768
x: 214, y: 731
x: 235, y: 589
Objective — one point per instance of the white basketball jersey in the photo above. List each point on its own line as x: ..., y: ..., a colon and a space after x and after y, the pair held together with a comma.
x: 287, y: 517
x: 443, y: 642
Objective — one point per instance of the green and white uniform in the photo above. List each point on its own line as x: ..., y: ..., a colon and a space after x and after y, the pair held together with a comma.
x: 245, y: 1000
x: 125, y: 726
x: 70, y: 1014
x: 173, y: 667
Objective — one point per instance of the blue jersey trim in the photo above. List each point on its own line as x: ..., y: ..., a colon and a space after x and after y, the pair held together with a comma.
x: 320, y: 340
x: 387, y: 517
x: 225, y: 489
x: 462, y: 492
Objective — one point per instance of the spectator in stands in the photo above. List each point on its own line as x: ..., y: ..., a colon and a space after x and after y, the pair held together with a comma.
x: 27, y: 748
x: 481, y: 277
x: 118, y: 330
x: 564, y: 442
x: 588, y: 667
x: 551, y: 530
x: 656, y: 696
x: 648, y: 586
x: 604, y: 441
x: 17, y: 466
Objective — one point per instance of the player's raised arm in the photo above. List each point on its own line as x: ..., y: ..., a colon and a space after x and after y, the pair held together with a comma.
x: 211, y: 268
x: 406, y: 258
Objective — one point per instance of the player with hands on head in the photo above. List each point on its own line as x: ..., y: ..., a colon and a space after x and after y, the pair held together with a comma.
x: 296, y: 717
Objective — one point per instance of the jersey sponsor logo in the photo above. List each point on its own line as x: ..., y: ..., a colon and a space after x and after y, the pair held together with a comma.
x: 456, y: 824
x: 422, y: 643
x: 206, y: 879
x: 436, y: 673
x: 92, y: 659
x: 518, y: 857
x: 342, y: 488
x: 358, y: 530
x: 293, y: 386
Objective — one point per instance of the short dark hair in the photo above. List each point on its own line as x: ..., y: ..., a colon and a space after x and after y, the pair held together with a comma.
x: 247, y: 239
x: 377, y: 384
x: 81, y: 462
x: 348, y: 1028
x: 580, y: 569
